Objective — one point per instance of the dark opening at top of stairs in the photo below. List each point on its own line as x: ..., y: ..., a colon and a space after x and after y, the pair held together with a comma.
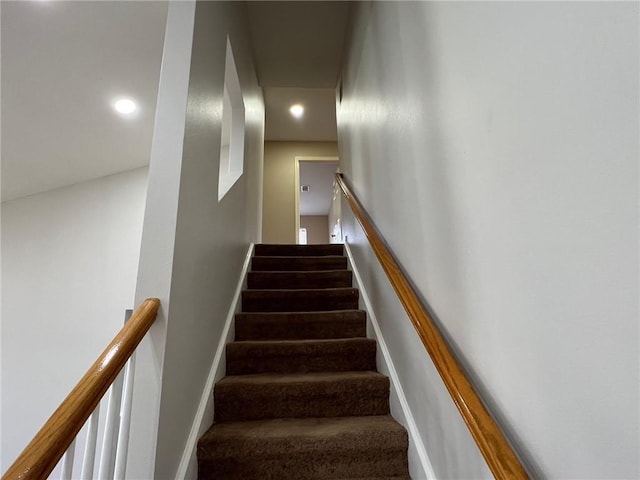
x: 302, y: 398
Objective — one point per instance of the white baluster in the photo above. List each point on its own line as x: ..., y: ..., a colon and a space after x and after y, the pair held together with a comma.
x: 67, y: 461
x: 89, y: 458
x: 125, y: 420
x: 112, y: 423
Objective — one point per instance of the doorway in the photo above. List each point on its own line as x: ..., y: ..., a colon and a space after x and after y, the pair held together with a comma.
x: 315, y: 209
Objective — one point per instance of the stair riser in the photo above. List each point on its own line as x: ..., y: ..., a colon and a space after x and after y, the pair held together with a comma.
x: 299, y: 280
x: 313, y: 465
x: 298, y: 250
x: 343, y: 358
x: 273, y: 264
x: 296, y: 410
x: 299, y: 301
x: 300, y: 327
x: 328, y: 399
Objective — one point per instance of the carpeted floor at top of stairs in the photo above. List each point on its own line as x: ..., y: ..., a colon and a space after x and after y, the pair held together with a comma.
x: 301, y: 398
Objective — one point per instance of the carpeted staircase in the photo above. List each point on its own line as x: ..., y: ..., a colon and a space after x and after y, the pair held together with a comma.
x: 302, y: 398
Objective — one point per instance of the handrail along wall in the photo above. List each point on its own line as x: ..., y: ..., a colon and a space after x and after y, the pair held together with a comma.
x: 42, y: 454
x: 491, y: 441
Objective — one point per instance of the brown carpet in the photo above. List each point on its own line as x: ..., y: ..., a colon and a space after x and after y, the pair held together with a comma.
x: 302, y: 398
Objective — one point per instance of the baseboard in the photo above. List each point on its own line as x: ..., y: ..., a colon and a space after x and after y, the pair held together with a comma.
x: 187, y: 469
x: 419, y: 463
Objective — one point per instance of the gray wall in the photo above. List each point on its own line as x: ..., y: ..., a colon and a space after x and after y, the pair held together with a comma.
x: 69, y: 262
x: 193, y: 246
x: 495, y: 145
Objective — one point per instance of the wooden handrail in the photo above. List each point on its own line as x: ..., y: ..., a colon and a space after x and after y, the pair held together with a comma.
x: 500, y: 457
x: 40, y: 457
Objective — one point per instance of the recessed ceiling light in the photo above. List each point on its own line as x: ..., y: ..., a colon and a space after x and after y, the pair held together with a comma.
x: 296, y: 110
x: 125, y: 106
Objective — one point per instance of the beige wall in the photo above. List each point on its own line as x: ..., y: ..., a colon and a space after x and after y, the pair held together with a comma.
x: 279, y: 221
x: 317, y: 228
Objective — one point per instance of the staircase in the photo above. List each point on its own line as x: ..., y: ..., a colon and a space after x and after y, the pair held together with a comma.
x: 302, y: 398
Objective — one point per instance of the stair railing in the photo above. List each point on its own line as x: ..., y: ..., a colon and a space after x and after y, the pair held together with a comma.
x: 492, y: 443
x: 58, y: 434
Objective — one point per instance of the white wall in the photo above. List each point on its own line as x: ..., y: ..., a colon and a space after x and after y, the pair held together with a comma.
x: 193, y: 246
x: 495, y: 145
x: 69, y: 263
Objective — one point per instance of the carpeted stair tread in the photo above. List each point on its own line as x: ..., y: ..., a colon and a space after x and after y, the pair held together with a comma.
x: 284, y: 250
x: 303, y: 263
x: 301, y: 399
x: 329, y: 394
x: 301, y: 356
x: 300, y: 325
x: 290, y: 300
x: 298, y: 280
x: 305, y: 448
x: 375, y: 430
x: 374, y: 478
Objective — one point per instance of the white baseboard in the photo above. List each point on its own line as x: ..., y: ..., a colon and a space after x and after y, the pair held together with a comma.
x: 187, y: 469
x: 419, y: 463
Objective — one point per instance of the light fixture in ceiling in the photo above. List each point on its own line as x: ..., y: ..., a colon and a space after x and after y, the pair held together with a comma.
x: 296, y: 110
x: 125, y: 106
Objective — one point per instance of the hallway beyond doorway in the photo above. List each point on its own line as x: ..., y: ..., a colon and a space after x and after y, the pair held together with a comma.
x: 314, y: 195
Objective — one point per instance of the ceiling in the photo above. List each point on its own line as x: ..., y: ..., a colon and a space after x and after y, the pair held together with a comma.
x: 299, y: 64
x: 318, y: 123
x: 63, y: 63
x: 298, y: 44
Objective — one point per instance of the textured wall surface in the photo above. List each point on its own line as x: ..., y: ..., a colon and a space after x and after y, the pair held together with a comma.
x: 495, y: 145
x: 193, y: 246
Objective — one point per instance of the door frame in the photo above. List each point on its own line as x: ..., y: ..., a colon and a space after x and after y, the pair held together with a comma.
x: 305, y: 158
